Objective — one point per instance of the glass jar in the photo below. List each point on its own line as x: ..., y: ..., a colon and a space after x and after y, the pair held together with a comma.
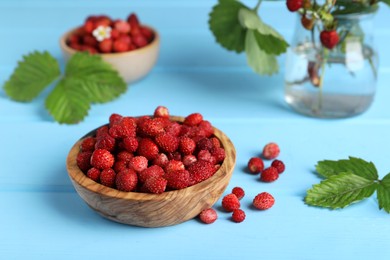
x: 334, y: 83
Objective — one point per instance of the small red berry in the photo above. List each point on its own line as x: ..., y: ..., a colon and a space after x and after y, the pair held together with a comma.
x: 156, y: 185
x: 230, y: 202
x: 193, y: 119
x: 133, y: 21
x: 120, y: 165
x: 178, y: 179
x: 102, y: 159
x: 204, y: 144
x: 187, y: 145
x: 148, y: 33
x: 269, y: 175
x: 167, y: 142
x: 105, y: 46
x: 161, y: 111
x: 174, y: 165
x: 279, y: 165
x: 201, y: 170
x: 138, y: 163
x: 120, y: 46
x: 161, y: 160
x: 189, y: 159
x: 263, y: 201
x: 114, y: 119
x: 329, y: 38
x: 93, y: 174
x: 124, y: 156
x: 105, y: 142
x: 107, y: 177
x: 84, y: 161
x: 147, y: 148
x: 271, y: 151
x: 208, y: 216
x: 150, y: 172
x: 255, y: 165
x: 139, y: 40
x: 294, y: 5
x: 238, y: 215
x: 218, y: 153
x: 126, y: 180
x: 88, y: 144
x: 239, y: 192
x: 130, y: 144
x: 122, y: 26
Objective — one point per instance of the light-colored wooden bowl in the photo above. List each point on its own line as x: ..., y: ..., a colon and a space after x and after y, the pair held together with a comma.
x: 153, y: 210
x: 132, y: 65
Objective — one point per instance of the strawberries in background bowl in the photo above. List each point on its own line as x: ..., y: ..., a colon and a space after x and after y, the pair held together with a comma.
x: 128, y: 45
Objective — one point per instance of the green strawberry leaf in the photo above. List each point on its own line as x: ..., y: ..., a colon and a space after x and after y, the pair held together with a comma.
x: 353, y: 165
x: 339, y: 191
x: 32, y: 75
x: 260, y: 61
x: 383, y: 193
x: 67, y: 103
x: 267, y: 38
x: 101, y: 82
x: 225, y: 26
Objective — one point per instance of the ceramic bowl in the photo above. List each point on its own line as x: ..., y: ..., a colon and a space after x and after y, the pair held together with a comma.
x: 132, y: 65
x: 153, y: 210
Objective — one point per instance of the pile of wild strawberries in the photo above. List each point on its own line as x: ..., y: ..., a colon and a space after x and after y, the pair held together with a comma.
x: 263, y: 200
x: 101, y: 34
x: 151, y: 154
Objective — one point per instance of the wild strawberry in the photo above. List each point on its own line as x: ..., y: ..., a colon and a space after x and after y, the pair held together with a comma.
x: 88, y: 144
x: 193, y: 119
x: 204, y: 144
x: 307, y: 23
x: 155, y: 185
x: 89, y: 40
x: 174, y: 129
x: 107, y: 177
x: 115, y: 34
x: 208, y: 216
x: 230, y: 202
x: 174, y: 156
x: 167, y: 142
x: 174, y: 166
x: 130, y: 144
x: 177, y: 179
x: 161, y: 111
x: 133, y: 21
x: 120, y: 46
x: 105, y: 46
x: 147, y: 33
x: 83, y: 160
x: 151, y: 127
x: 101, y: 131
x: 114, y: 119
x: 73, y: 39
x: 238, y: 215
x: 294, y: 5
x: 218, y: 153
x: 255, y: 165
x: 120, y: 165
x: 161, y: 160
x: 124, y: 156
x: 187, y: 145
x: 147, y: 148
x: 138, y: 163
x: 263, y: 201
x: 239, y: 192
x: 216, y: 142
x: 105, y: 142
x: 150, y: 172
x: 125, y: 38
x: 126, y: 180
x: 103, y: 20
x: 122, y: 26
x: 329, y: 38
x: 201, y: 170
x: 269, y: 175
x: 139, y: 40
x: 102, y: 159
x: 89, y: 26
x: 206, y: 127
x: 279, y: 165
x: 93, y: 174
x: 205, y: 155
x: 124, y: 128
x: 189, y: 159
x: 271, y: 151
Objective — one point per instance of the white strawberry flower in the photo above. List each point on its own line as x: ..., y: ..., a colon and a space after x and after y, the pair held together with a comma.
x: 102, y: 32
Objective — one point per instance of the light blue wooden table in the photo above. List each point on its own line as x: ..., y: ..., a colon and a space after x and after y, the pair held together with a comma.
x: 43, y: 217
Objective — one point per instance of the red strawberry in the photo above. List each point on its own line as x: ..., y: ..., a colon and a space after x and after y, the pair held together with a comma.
x: 263, y: 201
x: 138, y: 163
x: 269, y: 175
x: 114, y: 119
x: 255, y: 165
x: 187, y: 145
x: 93, y: 174
x: 147, y: 33
x: 271, y: 151
x: 177, y: 179
x: 173, y: 166
x: 151, y: 127
x: 139, y: 40
x: 155, y: 185
x: 329, y: 38
x: 161, y: 160
x: 218, y: 153
x: 105, y: 46
x: 122, y: 26
x: 124, y: 128
x: 120, y: 165
x: 102, y: 159
x: 88, y: 144
x: 205, y: 155
x: 120, y: 46
x: 189, y: 159
x: 230, y: 202
x: 239, y: 192
x: 101, y: 131
x: 204, y: 144
x: 130, y: 144
x: 294, y: 5
x: 124, y: 156
x: 238, y: 215
x: 105, y: 142
x: 208, y: 216
x: 193, y: 119
x: 89, y: 40
x: 147, y: 148
x: 161, y: 111
x: 173, y: 128
x: 279, y: 165
x: 167, y: 142
x: 107, y: 177
x: 151, y: 172
x: 133, y: 21
x: 206, y: 128
x: 126, y: 180
x: 201, y: 170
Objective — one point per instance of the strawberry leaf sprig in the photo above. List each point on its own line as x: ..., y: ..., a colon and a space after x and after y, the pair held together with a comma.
x: 346, y: 182
x: 239, y: 28
x: 87, y: 80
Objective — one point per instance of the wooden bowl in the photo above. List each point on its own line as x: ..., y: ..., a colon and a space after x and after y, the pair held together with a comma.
x: 153, y: 210
x: 132, y: 65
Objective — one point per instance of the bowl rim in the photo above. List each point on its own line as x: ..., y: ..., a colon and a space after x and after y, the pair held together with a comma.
x: 81, y: 179
x: 153, y: 44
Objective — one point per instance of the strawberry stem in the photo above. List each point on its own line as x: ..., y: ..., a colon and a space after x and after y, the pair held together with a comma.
x: 257, y: 6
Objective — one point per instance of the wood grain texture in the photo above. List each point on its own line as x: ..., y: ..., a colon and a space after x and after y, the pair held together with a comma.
x: 153, y: 210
